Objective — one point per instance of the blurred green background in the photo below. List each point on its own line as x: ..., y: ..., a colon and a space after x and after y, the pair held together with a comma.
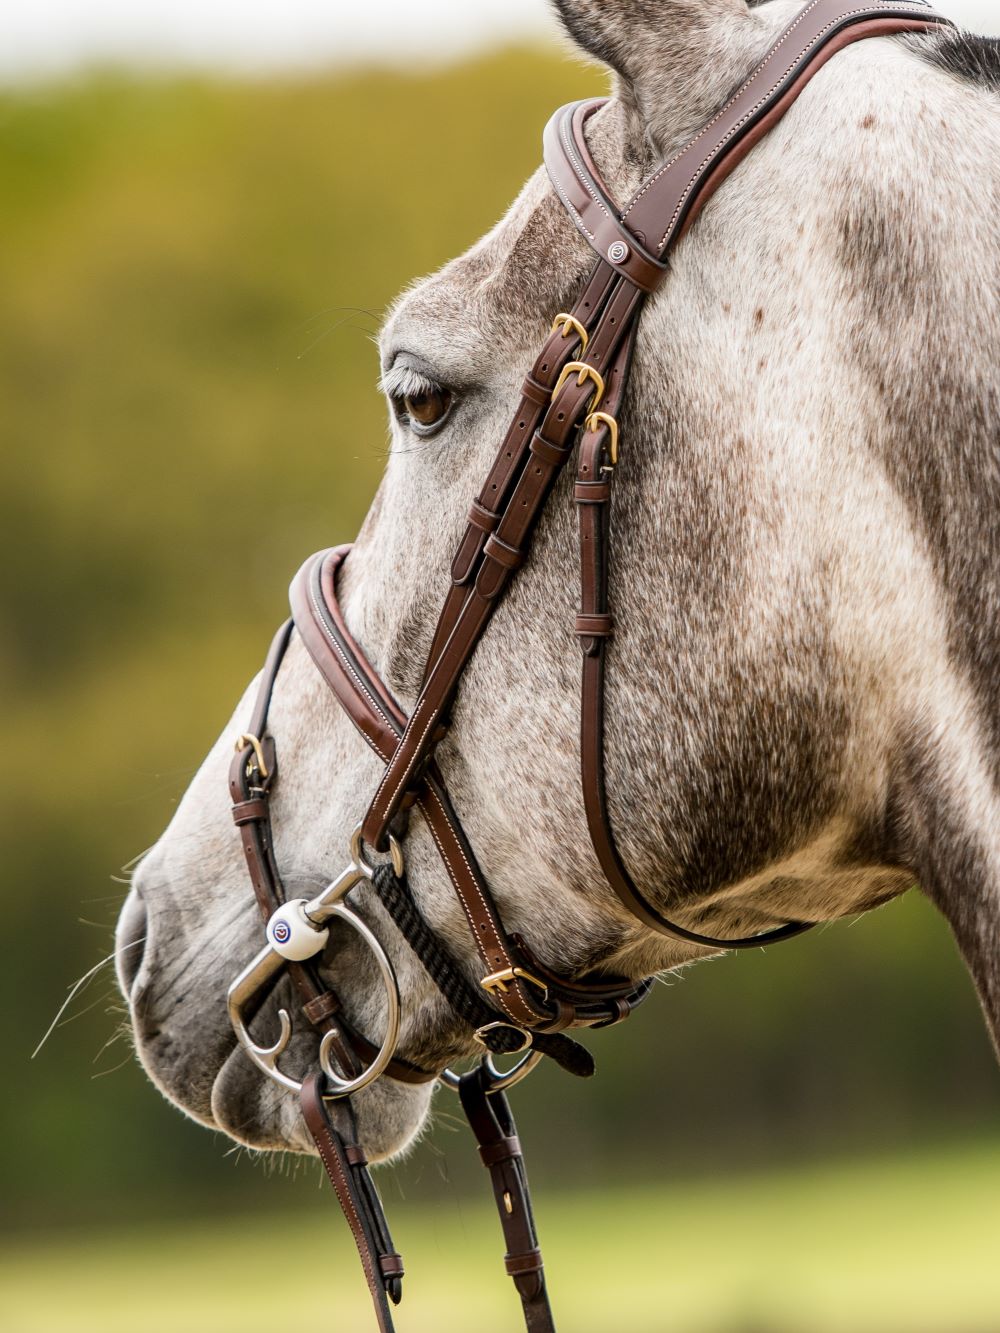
x: 188, y: 407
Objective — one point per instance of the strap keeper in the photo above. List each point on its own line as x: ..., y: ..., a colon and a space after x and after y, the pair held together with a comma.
x: 528, y: 1262
x: 323, y: 1007
x: 595, y: 626
x: 549, y: 453
x: 355, y: 1154
x: 483, y: 518
x: 501, y: 1151
x: 508, y: 556
x: 254, y: 811
x: 534, y: 392
x: 592, y: 492
x: 391, y: 1265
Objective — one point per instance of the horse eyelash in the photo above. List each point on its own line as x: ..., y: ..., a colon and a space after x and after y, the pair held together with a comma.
x: 400, y: 382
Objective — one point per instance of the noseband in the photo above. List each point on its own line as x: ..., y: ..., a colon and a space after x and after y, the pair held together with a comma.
x: 570, y: 403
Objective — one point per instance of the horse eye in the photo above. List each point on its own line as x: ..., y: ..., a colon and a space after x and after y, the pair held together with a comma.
x: 428, y: 409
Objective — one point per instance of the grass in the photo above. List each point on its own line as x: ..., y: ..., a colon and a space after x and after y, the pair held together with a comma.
x: 901, y: 1246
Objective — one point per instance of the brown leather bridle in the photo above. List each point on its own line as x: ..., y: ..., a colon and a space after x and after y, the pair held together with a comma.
x: 570, y: 403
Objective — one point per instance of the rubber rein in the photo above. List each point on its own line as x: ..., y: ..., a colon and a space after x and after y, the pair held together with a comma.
x: 569, y: 406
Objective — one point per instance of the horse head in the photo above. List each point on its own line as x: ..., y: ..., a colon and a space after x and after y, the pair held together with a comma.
x: 801, y: 715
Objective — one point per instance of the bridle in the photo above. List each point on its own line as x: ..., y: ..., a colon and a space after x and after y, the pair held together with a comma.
x: 570, y: 403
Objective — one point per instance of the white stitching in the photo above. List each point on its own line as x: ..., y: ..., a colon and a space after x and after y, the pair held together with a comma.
x: 582, y: 176
x: 457, y: 886
x: 444, y: 856
x: 408, y: 768
x: 347, y: 1203
x: 874, y: 11
x: 753, y: 110
x: 323, y: 628
x: 732, y: 101
x: 573, y: 211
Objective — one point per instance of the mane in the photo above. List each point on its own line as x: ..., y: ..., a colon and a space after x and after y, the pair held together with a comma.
x: 974, y: 59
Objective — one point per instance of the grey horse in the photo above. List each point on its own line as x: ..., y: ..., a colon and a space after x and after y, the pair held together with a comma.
x: 804, y: 692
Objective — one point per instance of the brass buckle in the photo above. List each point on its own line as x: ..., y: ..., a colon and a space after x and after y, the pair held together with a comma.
x: 492, y: 1027
x: 499, y: 981
x: 245, y: 741
x: 598, y: 419
x: 584, y: 372
x: 569, y: 325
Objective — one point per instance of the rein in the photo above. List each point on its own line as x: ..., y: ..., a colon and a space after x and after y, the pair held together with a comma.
x: 570, y: 402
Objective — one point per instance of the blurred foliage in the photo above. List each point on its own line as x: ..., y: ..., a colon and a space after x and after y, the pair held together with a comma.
x: 188, y: 407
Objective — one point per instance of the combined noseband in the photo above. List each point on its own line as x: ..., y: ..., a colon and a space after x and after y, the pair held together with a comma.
x: 570, y: 403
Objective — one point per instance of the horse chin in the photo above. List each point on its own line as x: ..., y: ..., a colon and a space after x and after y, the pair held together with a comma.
x: 388, y: 1116
x: 211, y: 1080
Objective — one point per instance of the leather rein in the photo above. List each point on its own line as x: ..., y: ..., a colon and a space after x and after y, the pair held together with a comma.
x: 570, y: 403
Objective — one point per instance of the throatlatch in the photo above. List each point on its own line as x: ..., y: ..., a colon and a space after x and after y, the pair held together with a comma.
x: 570, y: 403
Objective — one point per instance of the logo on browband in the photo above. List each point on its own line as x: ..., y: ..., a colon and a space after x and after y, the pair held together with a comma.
x: 618, y: 252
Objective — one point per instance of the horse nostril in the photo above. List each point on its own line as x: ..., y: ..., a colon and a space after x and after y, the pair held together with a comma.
x: 130, y: 941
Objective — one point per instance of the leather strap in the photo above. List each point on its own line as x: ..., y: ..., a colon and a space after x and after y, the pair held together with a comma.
x: 670, y: 199
x: 583, y: 367
x: 582, y: 193
x: 594, y: 518
x: 250, y: 791
x: 555, y: 434
x: 347, y: 1169
x: 379, y: 719
x: 660, y: 209
x: 492, y: 1122
x: 536, y: 393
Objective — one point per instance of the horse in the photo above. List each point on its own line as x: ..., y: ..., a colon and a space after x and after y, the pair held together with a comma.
x: 803, y: 694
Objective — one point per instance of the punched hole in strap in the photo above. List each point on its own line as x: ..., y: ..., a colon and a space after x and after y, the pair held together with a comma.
x: 508, y: 556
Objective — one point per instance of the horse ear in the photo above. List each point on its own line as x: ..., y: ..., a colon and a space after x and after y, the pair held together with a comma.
x: 663, y: 51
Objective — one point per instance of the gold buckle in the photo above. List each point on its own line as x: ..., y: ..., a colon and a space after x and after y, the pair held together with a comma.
x: 570, y: 324
x: 598, y: 419
x: 584, y: 372
x: 245, y: 741
x: 500, y: 980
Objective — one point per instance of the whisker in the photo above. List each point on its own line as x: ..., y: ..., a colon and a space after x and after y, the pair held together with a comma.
x: 103, y: 1073
x: 337, y: 324
x: 80, y: 986
x: 130, y: 865
x: 340, y: 310
x: 80, y: 1013
x: 119, y: 1031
